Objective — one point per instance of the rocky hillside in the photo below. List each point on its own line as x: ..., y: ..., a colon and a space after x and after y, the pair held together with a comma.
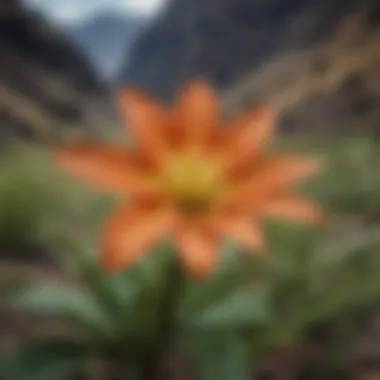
x: 317, y: 61
x: 47, y: 89
x: 106, y: 39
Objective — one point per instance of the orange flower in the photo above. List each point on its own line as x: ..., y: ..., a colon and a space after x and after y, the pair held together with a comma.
x: 191, y: 180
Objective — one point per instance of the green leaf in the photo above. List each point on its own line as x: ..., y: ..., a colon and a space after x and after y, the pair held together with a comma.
x: 70, y: 304
x: 343, y: 245
x: 343, y: 297
x: 242, y: 308
x: 129, y: 298
x: 227, y: 277
x: 222, y: 356
x: 84, y: 262
x: 11, y: 287
x: 228, y: 298
x: 289, y: 245
x: 47, y: 360
x: 147, y: 282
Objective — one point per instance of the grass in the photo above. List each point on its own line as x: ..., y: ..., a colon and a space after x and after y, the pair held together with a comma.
x: 38, y: 204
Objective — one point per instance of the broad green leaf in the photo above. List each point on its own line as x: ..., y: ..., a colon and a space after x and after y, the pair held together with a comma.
x: 129, y: 298
x: 337, y: 249
x: 47, y: 360
x: 84, y: 263
x: 336, y: 297
x: 153, y: 283
x: 289, y: 246
x: 222, y: 356
x: 341, y: 298
x: 234, y: 271
x: 242, y: 308
x: 70, y: 304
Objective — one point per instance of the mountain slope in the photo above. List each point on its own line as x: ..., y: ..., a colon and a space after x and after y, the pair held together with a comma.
x: 315, y: 58
x: 48, y: 88
x: 106, y: 39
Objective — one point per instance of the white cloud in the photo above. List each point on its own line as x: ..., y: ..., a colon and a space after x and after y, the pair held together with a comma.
x: 143, y: 7
x: 68, y: 11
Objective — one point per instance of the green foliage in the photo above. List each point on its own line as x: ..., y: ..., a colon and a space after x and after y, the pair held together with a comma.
x: 330, y: 285
x: 50, y: 359
x: 222, y: 356
x: 73, y: 305
x: 312, y: 277
x: 21, y: 202
x: 37, y: 202
x: 227, y: 298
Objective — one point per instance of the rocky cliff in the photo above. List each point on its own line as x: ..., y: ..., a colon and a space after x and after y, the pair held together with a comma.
x: 47, y: 88
x: 317, y: 61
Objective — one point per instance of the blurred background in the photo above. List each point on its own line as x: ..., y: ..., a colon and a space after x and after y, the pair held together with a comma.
x: 316, y: 61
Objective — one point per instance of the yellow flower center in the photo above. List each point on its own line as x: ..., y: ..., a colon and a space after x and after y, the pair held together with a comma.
x: 192, y: 182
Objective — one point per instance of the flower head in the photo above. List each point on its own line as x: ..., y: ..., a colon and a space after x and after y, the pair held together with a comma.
x: 190, y: 179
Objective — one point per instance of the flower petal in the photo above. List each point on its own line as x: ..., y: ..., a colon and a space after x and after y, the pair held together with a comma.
x: 198, y: 249
x: 131, y: 232
x: 147, y: 120
x: 291, y: 208
x: 248, y: 136
x: 198, y: 110
x: 218, y: 140
x: 108, y: 168
x: 274, y: 174
x: 242, y: 229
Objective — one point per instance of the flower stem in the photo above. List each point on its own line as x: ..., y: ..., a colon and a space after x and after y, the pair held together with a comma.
x: 166, y: 325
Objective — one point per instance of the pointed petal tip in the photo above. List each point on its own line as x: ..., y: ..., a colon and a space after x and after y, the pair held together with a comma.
x: 60, y: 155
x: 67, y: 156
x: 124, y: 97
x: 261, y: 251
x: 295, y: 209
x: 320, y: 218
x: 199, y: 88
x: 267, y: 111
x: 300, y: 168
x: 132, y: 232
x: 198, y: 251
x: 111, y: 261
x: 108, y: 266
x: 114, y: 262
x: 200, y: 270
x: 250, y: 133
x: 128, y: 98
x: 199, y: 273
x: 198, y: 108
x: 317, y: 164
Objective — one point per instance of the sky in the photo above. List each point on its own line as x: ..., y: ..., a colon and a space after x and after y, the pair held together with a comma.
x: 74, y: 11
